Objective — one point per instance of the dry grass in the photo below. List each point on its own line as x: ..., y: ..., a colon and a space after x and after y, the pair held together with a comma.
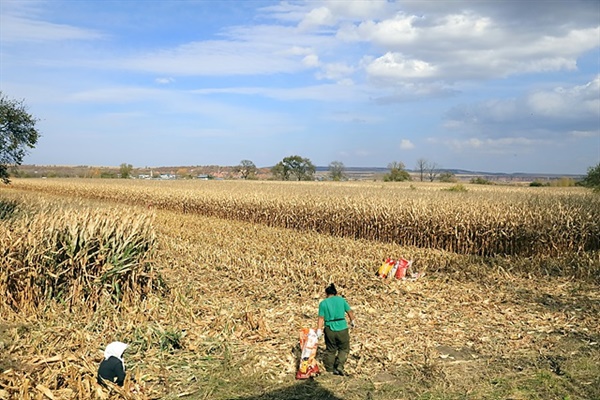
x: 240, y: 291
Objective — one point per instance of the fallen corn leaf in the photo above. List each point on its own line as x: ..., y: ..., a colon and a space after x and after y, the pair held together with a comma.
x: 47, y: 392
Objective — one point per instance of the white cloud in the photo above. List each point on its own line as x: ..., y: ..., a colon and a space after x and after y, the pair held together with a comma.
x: 17, y: 29
x: 164, y: 81
x: 584, y: 134
x: 406, y: 144
x: 298, y: 51
x: 394, y: 67
x: 541, y: 113
x: 493, y: 146
x: 315, y: 13
x: 401, y: 91
x: 390, y: 33
x: 114, y: 95
x: 364, y: 9
x: 578, y: 101
x: 317, y: 17
x: 215, y: 58
x: 335, y: 71
x: 325, y: 93
x: 311, y: 60
x: 468, y: 46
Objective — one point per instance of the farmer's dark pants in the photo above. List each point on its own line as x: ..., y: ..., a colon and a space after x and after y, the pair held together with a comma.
x: 337, y: 347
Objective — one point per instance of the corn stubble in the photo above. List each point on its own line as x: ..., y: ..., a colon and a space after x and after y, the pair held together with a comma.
x: 242, y: 283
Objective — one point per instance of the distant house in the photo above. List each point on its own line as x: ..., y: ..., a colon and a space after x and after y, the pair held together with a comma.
x: 144, y: 176
x: 202, y: 177
x: 167, y: 176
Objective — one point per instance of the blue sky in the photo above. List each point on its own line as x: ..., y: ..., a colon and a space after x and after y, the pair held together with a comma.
x: 497, y: 86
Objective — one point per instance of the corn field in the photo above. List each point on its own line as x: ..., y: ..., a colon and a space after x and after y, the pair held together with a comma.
x: 482, y: 222
x: 210, y: 282
x: 73, y: 254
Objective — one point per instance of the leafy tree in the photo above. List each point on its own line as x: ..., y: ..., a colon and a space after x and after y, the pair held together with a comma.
x: 279, y: 172
x: 184, y: 173
x: 107, y: 175
x: 125, y: 170
x: 448, y: 177
x: 294, y: 168
x: 337, y: 171
x: 17, y: 133
x: 397, y: 173
x: 481, y: 181
x: 592, y: 179
x: 246, y: 169
x: 537, y: 183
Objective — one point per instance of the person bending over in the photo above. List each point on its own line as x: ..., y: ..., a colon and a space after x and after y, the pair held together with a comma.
x: 112, y: 368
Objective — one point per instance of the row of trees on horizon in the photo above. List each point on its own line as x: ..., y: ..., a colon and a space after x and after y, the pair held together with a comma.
x: 297, y: 168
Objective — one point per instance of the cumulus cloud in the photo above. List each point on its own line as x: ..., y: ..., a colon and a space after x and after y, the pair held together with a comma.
x: 551, y: 112
x: 410, y: 41
x: 393, y: 67
x: 405, y: 42
x: 406, y: 144
x: 390, y: 33
x: 317, y: 17
x: 370, y: 9
x: 473, y: 44
x: 311, y: 60
x: 567, y: 102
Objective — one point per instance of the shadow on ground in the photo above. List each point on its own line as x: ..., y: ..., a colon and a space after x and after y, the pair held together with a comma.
x: 305, y: 390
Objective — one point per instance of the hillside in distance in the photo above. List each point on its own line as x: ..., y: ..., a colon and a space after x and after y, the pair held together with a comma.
x: 375, y: 173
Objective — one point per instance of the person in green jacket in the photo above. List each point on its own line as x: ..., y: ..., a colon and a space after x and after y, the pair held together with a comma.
x: 332, y: 322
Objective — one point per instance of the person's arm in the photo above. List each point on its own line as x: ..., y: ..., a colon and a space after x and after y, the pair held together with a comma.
x: 320, y: 325
x: 351, y: 315
x: 120, y: 373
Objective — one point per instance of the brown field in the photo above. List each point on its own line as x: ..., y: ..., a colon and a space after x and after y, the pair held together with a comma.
x: 210, y: 282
